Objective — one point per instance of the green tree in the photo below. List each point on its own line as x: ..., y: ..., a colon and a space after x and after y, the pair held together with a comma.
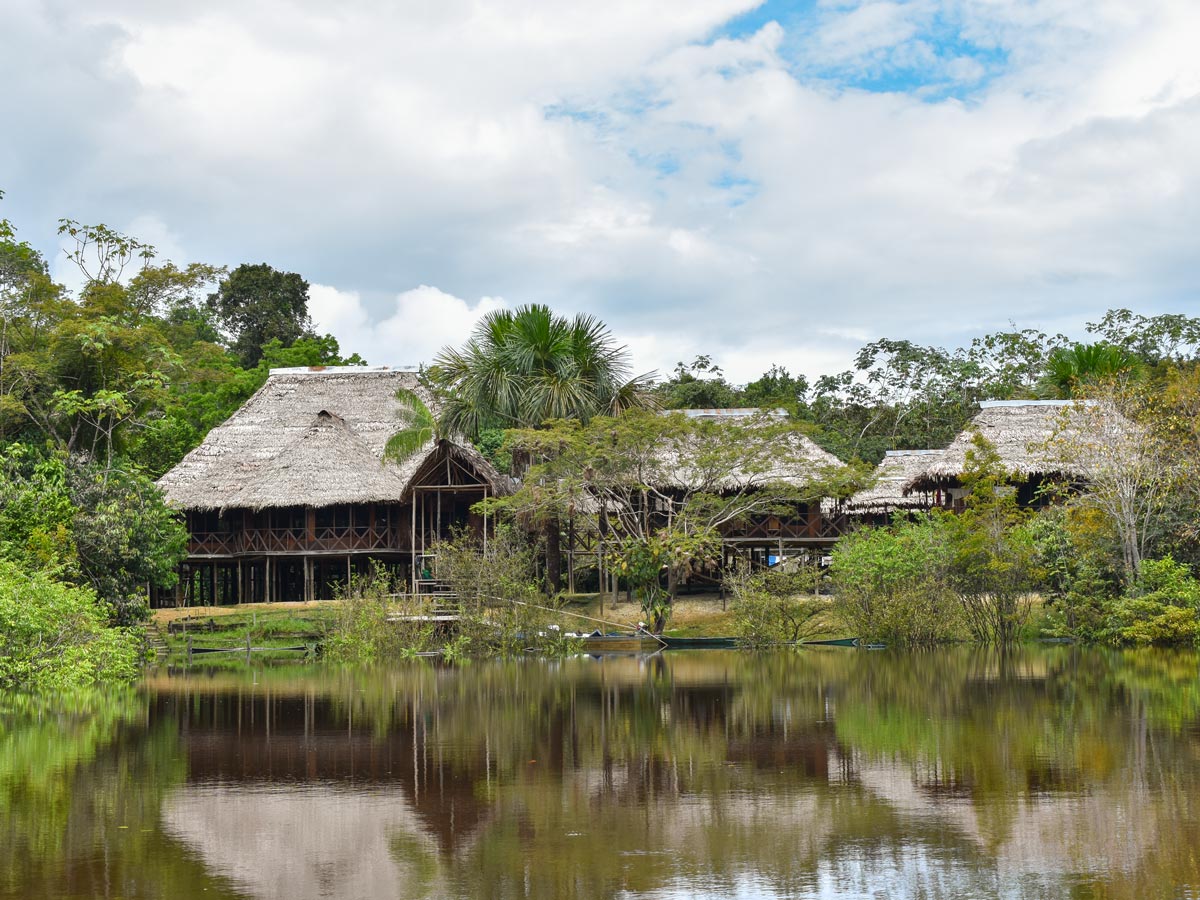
x: 700, y: 385
x: 1070, y: 370
x: 660, y: 486
x: 993, y: 568
x: 523, y: 367
x: 53, y: 635
x: 256, y: 304
x: 126, y: 538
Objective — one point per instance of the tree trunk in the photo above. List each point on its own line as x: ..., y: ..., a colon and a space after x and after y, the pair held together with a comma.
x: 554, y: 555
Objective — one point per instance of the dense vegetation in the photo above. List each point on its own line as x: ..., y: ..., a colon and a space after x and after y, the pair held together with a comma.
x: 105, y: 386
x: 103, y: 389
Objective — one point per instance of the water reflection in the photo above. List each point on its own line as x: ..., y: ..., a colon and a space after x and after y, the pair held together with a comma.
x: 838, y: 773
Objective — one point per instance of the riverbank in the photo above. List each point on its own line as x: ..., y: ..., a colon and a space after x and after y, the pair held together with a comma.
x: 295, y: 623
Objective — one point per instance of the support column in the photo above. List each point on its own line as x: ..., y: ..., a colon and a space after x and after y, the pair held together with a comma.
x: 412, y: 540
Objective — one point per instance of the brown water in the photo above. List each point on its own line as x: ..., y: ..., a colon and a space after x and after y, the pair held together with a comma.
x: 833, y: 774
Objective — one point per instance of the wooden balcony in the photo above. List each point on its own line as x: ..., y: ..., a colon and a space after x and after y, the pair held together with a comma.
x: 352, y: 539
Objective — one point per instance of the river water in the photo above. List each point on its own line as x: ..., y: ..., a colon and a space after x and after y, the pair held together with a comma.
x: 833, y: 773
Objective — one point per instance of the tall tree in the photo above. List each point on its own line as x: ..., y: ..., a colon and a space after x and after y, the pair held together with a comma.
x: 524, y: 367
x: 256, y: 304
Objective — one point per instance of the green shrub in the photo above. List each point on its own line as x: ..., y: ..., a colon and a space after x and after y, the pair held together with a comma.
x: 776, y: 606
x: 891, y: 584
x: 53, y: 635
x: 1161, y: 608
x: 375, y: 621
x: 1082, y: 611
x: 502, y: 608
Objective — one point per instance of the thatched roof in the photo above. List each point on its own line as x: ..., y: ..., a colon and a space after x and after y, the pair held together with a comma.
x: 310, y: 437
x: 796, y: 460
x: 1021, y: 431
x: 893, y: 473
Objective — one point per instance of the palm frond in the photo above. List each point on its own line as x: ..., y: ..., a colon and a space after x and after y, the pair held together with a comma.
x: 418, y: 427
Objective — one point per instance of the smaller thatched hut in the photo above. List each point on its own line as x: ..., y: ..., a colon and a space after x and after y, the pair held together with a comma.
x: 887, y: 494
x: 1028, y: 436
x: 790, y: 458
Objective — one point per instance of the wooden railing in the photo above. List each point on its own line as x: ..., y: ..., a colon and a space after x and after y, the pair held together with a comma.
x: 813, y: 527
x: 327, y: 539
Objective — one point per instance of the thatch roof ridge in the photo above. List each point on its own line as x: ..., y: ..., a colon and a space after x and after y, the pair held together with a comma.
x: 894, y: 471
x: 1020, y: 430
x: 276, y: 419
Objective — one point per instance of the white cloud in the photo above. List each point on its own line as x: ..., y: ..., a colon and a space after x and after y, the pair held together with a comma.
x: 419, y: 323
x: 702, y: 196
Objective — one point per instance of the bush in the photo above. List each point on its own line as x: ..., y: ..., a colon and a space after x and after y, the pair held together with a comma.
x: 53, y: 636
x: 890, y: 584
x: 776, y: 606
x: 1161, y: 607
x: 375, y: 621
x: 501, y: 605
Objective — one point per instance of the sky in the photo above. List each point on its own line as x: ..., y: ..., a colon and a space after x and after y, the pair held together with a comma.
x: 774, y: 182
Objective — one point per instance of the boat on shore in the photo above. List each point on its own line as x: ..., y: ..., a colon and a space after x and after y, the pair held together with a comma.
x: 699, y: 643
x: 839, y: 642
x: 620, y: 641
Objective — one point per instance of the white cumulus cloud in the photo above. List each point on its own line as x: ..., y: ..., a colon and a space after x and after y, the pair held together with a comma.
x: 418, y: 324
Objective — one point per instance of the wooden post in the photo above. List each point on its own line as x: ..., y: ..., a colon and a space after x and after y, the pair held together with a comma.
x: 571, y: 554
x: 267, y: 583
x: 600, y: 569
x: 412, y: 540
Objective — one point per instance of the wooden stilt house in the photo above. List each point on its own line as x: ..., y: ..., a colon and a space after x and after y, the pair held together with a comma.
x: 292, y: 496
x: 679, y: 469
x: 1040, y: 443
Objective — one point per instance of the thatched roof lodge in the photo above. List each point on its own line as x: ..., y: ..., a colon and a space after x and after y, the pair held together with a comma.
x: 1033, y: 438
x: 887, y: 494
x: 298, y: 476
x: 796, y: 460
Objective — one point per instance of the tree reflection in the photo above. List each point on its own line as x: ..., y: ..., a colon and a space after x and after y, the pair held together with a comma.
x: 964, y: 771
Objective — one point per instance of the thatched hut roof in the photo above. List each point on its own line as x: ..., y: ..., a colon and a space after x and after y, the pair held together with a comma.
x: 897, y: 468
x: 310, y: 437
x: 795, y: 460
x: 1021, y: 431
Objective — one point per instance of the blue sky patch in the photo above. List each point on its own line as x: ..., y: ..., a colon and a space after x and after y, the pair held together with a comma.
x: 931, y: 58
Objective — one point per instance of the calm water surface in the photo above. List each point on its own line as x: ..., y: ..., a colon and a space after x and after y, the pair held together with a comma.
x: 831, y: 774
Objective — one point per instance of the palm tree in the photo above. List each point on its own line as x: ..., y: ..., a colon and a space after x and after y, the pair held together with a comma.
x: 525, y: 366
x: 1070, y: 368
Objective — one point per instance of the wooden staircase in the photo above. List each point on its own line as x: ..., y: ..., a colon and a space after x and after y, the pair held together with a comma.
x: 156, y: 641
